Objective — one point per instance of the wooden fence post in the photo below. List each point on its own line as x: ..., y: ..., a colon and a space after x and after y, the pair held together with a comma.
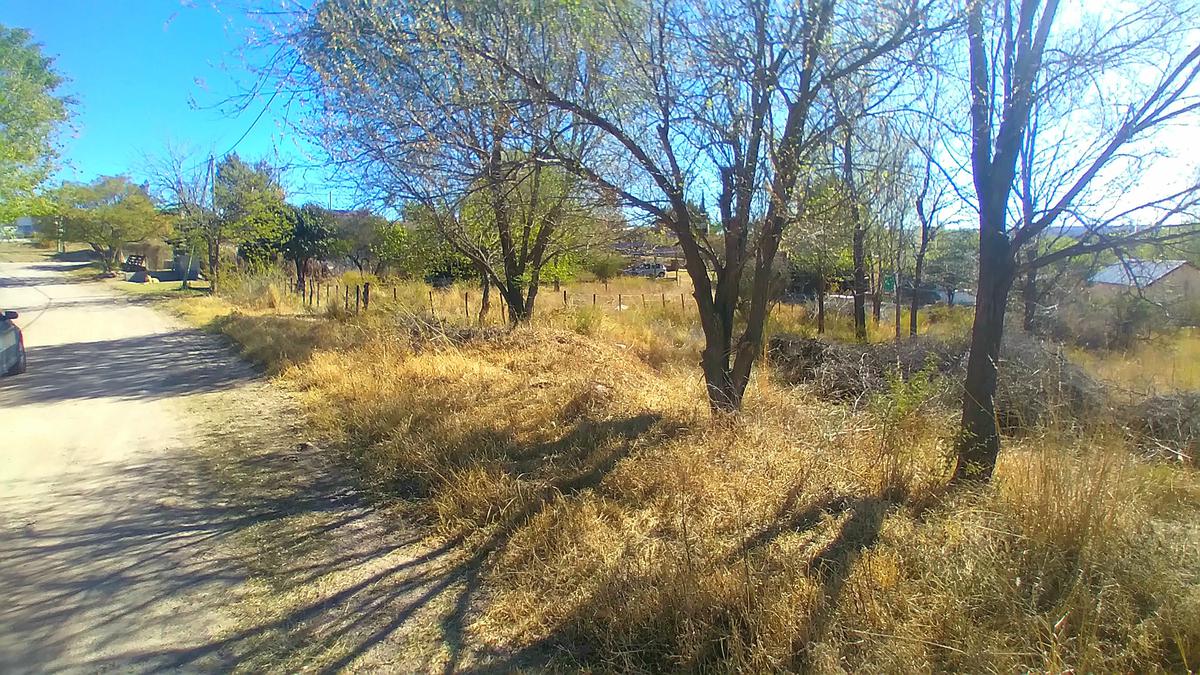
x: 643, y: 300
x: 432, y: 311
x: 347, y: 305
x: 664, y: 300
x: 366, y: 296
x: 467, y: 306
x: 394, y: 298
x: 357, y: 297
x: 593, y: 299
x: 681, y: 305
x: 564, y: 297
x: 619, y: 302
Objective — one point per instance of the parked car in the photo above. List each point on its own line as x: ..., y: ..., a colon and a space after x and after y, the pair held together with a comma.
x: 648, y: 269
x: 12, y: 345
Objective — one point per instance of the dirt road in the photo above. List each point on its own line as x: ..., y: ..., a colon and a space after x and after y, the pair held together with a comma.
x: 109, y: 555
x: 162, y: 509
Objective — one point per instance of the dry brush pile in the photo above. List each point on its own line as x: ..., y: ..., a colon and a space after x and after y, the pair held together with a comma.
x: 621, y: 528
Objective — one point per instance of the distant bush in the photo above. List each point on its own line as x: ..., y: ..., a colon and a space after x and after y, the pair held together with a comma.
x: 605, y: 267
x: 1115, y: 323
x: 1169, y: 426
x: 1036, y: 381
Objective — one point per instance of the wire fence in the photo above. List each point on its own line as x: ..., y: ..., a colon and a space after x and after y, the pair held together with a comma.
x: 457, y: 304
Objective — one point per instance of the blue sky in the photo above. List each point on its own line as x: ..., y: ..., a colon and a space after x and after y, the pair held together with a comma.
x: 146, y: 73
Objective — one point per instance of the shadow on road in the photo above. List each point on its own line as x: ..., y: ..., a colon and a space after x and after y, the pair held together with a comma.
x: 80, y: 582
x: 144, y: 367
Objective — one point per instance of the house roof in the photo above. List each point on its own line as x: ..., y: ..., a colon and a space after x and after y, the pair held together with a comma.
x: 1144, y: 272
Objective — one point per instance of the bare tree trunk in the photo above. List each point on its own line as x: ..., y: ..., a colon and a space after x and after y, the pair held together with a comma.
x: 860, y: 281
x: 914, y: 303
x: 300, y: 277
x: 821, y: 307
x: 214, y: 263
x: 485, y: 302
x: 1029, y: 293
x: 859, y: 242
x: 979, y: 437
x: 108, y: 257
x: 896, y: 291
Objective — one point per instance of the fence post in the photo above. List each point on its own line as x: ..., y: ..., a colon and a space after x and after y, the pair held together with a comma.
x: 432, y: 311
x: 619, y: 301
x: 467, y: 305
x: 347, y: 306
x: 664, y: 300
x: 681, y: 305
x: 394, y: 299
x: 366, y: 296
x: 593, y: 299
x: 643, y: 300
x: 564, y: 297
x: 357, y: 297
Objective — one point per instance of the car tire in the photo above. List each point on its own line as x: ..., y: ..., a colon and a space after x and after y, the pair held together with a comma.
x: 19, y: 367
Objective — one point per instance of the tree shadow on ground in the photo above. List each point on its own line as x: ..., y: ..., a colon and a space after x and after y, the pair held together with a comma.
x: 144, y: 367
x: 174, y: 537
x: 855, y: 523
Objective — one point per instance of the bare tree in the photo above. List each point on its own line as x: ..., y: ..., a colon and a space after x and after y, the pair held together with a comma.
x: 420, y: 123
x: 184, y: 184
x: 1082, y: 82
x: 929, y: 202
x: 721, y: 102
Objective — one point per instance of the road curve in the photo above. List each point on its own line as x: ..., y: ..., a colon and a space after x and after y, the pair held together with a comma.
x: 110, y: 555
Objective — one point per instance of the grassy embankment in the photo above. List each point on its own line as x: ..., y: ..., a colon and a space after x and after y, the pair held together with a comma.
x: 617, y: 521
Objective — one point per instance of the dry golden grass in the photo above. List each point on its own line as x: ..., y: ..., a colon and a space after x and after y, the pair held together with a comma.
x: 1168, y: 363
x: 620, y: 519
x: 621, y: 524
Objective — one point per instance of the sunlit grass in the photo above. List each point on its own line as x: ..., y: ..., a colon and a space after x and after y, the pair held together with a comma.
x: 804, y: 535
x: 1166, y: 363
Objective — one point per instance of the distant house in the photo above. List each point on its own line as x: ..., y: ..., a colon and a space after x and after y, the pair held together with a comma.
x: 1163, y: 281
x: 21, y: 228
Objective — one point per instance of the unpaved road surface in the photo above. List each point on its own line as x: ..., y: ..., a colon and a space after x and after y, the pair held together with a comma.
x: 162, y: 510
x: 109, y: 560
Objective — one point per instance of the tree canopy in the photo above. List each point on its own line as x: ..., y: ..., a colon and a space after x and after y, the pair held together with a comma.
x: 107, y: 215
x: 31, y: 110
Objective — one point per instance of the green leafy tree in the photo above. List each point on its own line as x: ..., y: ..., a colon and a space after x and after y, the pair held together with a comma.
x: 218, y: 204
x: 30, y: 113
x: 820, y: 246
x: 364, y: 236
x: 247, y: 200
x: 313, y: 237
x: 108, y: 215
x: 604, y: 265
x: 953, y: 261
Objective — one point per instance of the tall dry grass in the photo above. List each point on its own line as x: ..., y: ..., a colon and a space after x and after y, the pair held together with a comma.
x: 1167, y: 363
x: 621, y: 524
